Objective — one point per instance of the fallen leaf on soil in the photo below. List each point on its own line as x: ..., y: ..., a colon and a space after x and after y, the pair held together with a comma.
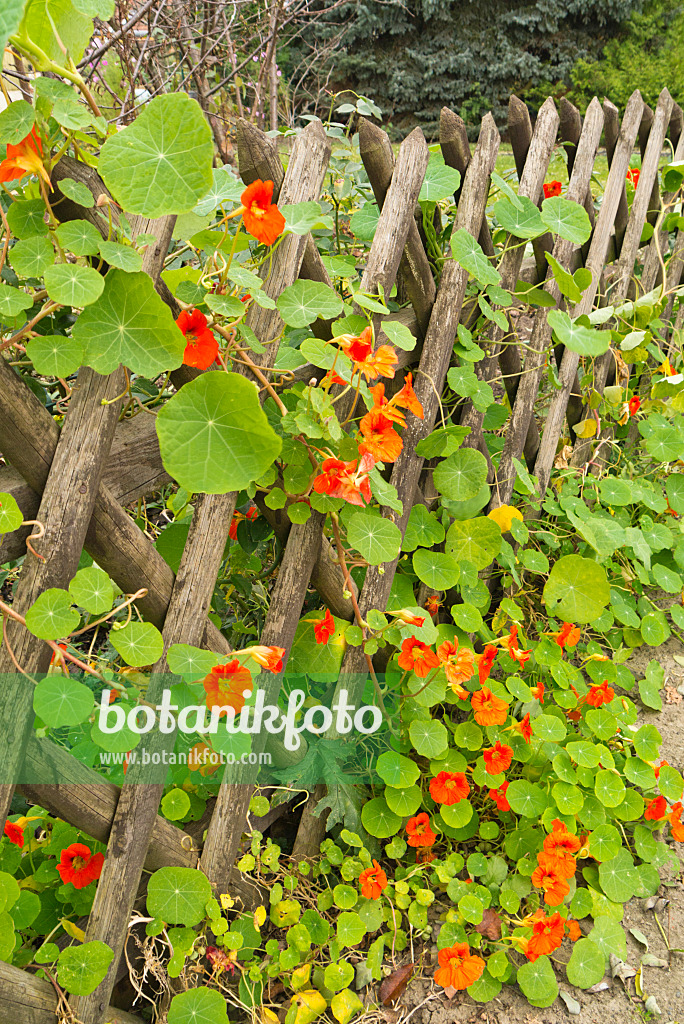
x: 649, y: 960
x: 600, y: 987
x: 651, y: 1005
x: 619, y: 969
x: 572, y: 1004
x: 639, y: 936
x: 394, y: 985
x: 490, y: 925
x: 672, y: 696
x: 450, y: 991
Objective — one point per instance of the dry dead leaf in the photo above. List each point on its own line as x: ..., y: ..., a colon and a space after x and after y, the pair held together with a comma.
x: 561, y: 461
x: 490, y: 925
x: 672, y: 696
x: 394, y: 984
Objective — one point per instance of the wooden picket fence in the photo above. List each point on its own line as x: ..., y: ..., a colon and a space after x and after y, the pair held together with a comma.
x: 78, y: 481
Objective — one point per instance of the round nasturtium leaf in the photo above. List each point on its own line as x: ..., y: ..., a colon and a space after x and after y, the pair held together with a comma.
x: 125, y: 257
x: 51, y: 615
x: 77, y: 191
x: 178, y: 895
x: 175, y: 804
x: 13, y: 301
x: 584, y: 340
x: 527, y: 798
x: 605, y: 842
x: 461, y: 475
x: 522, y: 221
x: 338, y: 976
x: 377, y: 539
x: 11, y: 516
x: 378, y: 820
x: 346, y: 1005
x: 586, y: 966
x: 435, y: 569
x: 609, y: 788
x: 214, y: 436
x: 72, y: 285
x: 129, y: 324
x: 474, y: 540
x: 538, y: 982
x: 567, y: 219
x: 198, y: 1006
x: 91, y: 588
x: 31, y: 257
x: 429, y: 738
x: 304, y: 301
x: 80, y: 969
x: 60, y: 701
x: 609, y: 936
x: 138, y: 643
x: 404, y: 802
x: 396, y: 770
x: 16, y: 121
x: 54, y: 355
x: 440, y: 181
x: 79, y: 237
x: 577, y: 589
x: 350, y: 929
x: 618, y: 877
x: 162, y: 163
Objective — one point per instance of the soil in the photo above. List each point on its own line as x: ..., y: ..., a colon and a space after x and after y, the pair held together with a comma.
x: 426, y: 1003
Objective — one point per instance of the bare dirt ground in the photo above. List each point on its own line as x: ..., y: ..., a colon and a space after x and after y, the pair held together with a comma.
x: 614, y: 1005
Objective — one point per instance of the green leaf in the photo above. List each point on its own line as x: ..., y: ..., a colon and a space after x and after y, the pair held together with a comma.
x: 435, y: 569
x: 429, y: 738
x: 523, y: 221
x: 670, y: 783
x: 130, y: 324
x: 122, y: 256
x: 13, y: 301
x: 375, y: 538
x: 214, y: 436
x: 73, y: 28
x: 51, y: 615
x: 31, y: 257
x: 549, y: 728
x: 301, y: 218
x: 527, y: 798
x: 364, y: 222
x: 472, y: 908
x: 178, y: 895
x: 565, y: 281
x: 53, y: 355
x: 80, y: 969
x: 467, y: 251
x: 60, y: 701
x: 605, y: 842
x: 567, y: 219
x: 79, y: 237
x: 175, y: 804
x: 91, y: 588
x: 618, y: 877
x: 77, y: 191
x: 609, y: 936
x: 398, y: 334
x: 647, y: 742
x: 586, y: 966
x: 577, y: 589
x: 138, y: 643
x: 17, y: 120
x: 396, y: 770
x: 338, y: 976
x: 464, y: 382
x: 162, y: 163
x: 422, y: 530
x: 378, y: 820
x: 190, y: 662
x: 461, y: 475
x: 538, y: 982
x: 474, y: 540
x: 198, y: 1006
x: 350, y: 929
x: 26, y: 217
x: 443, y: 441
x: 577, y: 338
x: 609, y: 788
x: 439, y: 182
x: 11, y: 516
x: 302, y: 302
x: 72, y: 285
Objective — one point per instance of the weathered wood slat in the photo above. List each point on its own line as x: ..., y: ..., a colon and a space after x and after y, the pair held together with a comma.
x: 657, y: 249
x: 26, y: 999
x: 520, y: 134
x: 612, y: 134
x: 453, y: 142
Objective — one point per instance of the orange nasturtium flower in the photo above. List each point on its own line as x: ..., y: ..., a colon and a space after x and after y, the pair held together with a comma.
x: 380, y: 439
x: 419, y: 831
x: 549, y: 876
x: 270, y: 658
x: 203, y: 759
x: 449, y: 788
x: 417, y: 657
x: 523, y: 728
x: 458, y: 967
x: 514, y: 651
x: 404, y: 615
x: 675, y: 819
x: 547, y: 935
x: 407, y: 398
x: 538, y: 691
x: 359, y: 348
x: 498, y: 758
x: 562, y: 844
x: 78, y: 865
x: 373, y: 881
x: 499, y: 797
x: 599, y: 695
x: 485, y: 663
x: 568, y: 635
x: 634, y: 405
x: 201, y: 347
x: 633, y: 175
x: 432, y: 605
x: 324, y: 628
x: 656, y: 809
x: 574, y: 930
x: 14, y: 833
x: 552, y: 188
x: 26, y: 157
x: 262, y: 218
x: 224, y: 686
x: 344, y: 480
x: 488, y: 709
x: 459, y: 665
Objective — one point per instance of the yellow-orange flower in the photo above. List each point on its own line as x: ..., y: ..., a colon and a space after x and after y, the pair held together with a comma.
x: 547, y: 935
x: 225, y: 686
x: 488, y: 709
x: 458, y: 967
x: 380, y: 439
x: 549, y: 876
x: 459, y: 665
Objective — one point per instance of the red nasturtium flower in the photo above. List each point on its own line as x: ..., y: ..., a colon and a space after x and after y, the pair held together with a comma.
x: 251, y: 513
x: 498, y: 758
x: 538, y: 691
x: 656, y: 768
x: 488, y: 709
x: 26, y: 157
x: 380, y: 439
x: 373, y: 881
x: 633, y: 176
x: 408, y: 399
x: 634, y: 405
x: 419, y: 831
x: 417, y: 657
x: 523, y: 728
x: 547, y: 935
x: 656, y: 809
x: 343, y: 480
x: 599, y: 695
x: 14, y: 833
x: 201, y: 347
x: 324, y: 628
x: 262, y: 218
x: 359, y: 348
x: 459, y: 665
x: 224, y: 686
x: 78, y: 865
x: 568, y: 635
x: 499, y: 797
x: 449, y: 788
x: 458, y: 967
x: 432, y: 605
x: 574, y: 930
x: 270, y: 658
x: 675, y: 819
x: 409, y: 618
x: 514, y: 651
x: 552, y: 188
x: 548, y: 875
x: 485, y: 663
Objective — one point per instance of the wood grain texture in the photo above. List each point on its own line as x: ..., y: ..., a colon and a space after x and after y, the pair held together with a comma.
x: 658, y: 246
x: 26, y: 999
x: 611, y: 135
x: 520, y: 133
x: 453, y: 142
